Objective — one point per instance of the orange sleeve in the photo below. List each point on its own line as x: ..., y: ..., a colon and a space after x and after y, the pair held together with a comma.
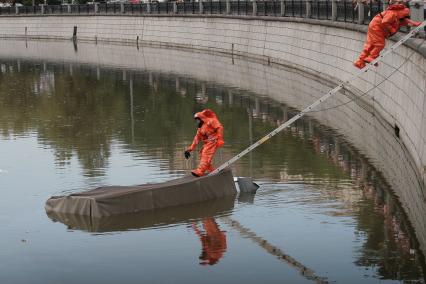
x: 197, y: 139
x: 196, y: 230
x: 219, y: 131
x: 408, y: 22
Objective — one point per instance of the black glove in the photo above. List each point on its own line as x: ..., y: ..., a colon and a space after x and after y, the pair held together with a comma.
x: 187, y: 154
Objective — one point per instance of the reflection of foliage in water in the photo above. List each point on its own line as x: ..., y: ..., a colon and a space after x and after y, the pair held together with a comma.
x: 82, y: 115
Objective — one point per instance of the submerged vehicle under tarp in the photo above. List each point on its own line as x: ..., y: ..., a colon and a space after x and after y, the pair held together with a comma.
x: 115, y: 200
x: 147, y: 219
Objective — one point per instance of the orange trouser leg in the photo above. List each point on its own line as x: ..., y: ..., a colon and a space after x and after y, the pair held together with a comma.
x: 376, y: 40
x: 206, y: 158
x: 373, y: 45
x: 366, y: 51
x: 374, y: 53
x: 364, y: 54
x: 211, y: 168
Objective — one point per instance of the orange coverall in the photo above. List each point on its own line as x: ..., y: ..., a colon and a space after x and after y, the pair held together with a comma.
x: 383, y: 25
x: 211, y: 133
x: 213, y: 242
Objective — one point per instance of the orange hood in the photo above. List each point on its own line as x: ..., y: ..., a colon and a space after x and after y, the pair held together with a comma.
x: 205, y: 114
x: 404, y: 13
x: 401, y: 10
x: 397, y: 7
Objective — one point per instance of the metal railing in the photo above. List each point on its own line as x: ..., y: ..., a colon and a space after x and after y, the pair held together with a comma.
x: 321, y: 9
x: 347, y: 11
x: 372, y: 9
x: 344, y: 10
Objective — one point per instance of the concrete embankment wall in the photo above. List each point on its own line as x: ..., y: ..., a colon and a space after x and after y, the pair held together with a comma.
x: 324, y: 50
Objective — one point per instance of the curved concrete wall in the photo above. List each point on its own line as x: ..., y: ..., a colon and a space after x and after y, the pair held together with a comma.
x: 322, y: 51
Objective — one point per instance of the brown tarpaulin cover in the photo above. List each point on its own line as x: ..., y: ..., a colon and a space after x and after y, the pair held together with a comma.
x: 147, y: 219
x: 114, y: 200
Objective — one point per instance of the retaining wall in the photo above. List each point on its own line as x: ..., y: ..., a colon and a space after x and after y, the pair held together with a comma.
x: 322, y: 49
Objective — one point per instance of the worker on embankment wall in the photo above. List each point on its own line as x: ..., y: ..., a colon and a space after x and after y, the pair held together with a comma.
x: 383, y: 26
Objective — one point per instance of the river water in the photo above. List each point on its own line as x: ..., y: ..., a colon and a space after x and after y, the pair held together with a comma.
x: 323, y: 213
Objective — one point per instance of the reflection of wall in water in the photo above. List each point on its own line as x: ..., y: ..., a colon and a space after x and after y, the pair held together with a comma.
x: 358, y: 123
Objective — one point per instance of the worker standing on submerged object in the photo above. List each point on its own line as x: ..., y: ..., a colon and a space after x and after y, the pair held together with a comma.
x: 384, y: 25
x: 210, y: 131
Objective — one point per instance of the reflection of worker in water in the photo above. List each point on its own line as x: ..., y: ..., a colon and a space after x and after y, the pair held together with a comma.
x: 210, y: 131
x: 213, y: 241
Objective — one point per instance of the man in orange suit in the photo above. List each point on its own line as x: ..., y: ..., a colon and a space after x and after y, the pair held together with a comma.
x: 384, y: 25
x: 210, y: 132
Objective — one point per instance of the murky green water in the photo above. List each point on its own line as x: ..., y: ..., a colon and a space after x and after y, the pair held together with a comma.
x: 321, y: 208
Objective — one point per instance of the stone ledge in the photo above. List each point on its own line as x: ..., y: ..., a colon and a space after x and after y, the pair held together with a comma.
x: 416, y: 44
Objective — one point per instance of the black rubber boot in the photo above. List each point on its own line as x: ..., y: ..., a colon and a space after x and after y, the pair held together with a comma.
x: 195, y: 175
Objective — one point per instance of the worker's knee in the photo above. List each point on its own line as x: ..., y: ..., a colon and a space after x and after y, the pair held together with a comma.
x: 376, y: 50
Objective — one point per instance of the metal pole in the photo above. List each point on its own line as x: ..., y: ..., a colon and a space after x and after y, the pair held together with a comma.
x: 360, y: 12
x: 326, y: 9
x: 334, y: 10
x: 308, y: 9
x: 344, y: 10
x: 250, y: 118
x: 318, y: 9
x: 201, y: 7
x: 131, y: 109
x: 318, y: 102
